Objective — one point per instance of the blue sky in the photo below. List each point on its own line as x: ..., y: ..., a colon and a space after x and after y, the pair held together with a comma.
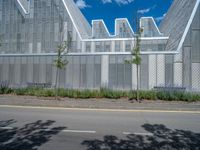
x: 108, y: 10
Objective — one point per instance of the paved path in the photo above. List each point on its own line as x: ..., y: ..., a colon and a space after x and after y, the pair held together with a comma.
x: 34, y: 128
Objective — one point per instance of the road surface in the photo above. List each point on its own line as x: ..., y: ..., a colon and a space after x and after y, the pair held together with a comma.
x: 33, y: 128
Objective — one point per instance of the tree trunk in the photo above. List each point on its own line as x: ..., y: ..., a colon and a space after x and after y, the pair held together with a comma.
x: 56, y: 88
x: 137, y: 92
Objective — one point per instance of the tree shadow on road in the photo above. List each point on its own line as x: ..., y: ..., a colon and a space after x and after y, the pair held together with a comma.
x: 162, y: 138
x: 29, y: 137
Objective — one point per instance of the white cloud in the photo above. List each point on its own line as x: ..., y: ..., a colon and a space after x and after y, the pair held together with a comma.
x: 119, y: 2
x: 143, y: 11
x: 124, y: 2
x: 81, y: 4
x: 107, y: 1
x: 158, y: 19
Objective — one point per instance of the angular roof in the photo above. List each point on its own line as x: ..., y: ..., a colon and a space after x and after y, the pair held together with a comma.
x: 177, y: 22
x: 23, y: 6
x: 81, y: 24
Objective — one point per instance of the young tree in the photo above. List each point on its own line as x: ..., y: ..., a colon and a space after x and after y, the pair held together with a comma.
x: 136, y: 58
x: 60, y: 62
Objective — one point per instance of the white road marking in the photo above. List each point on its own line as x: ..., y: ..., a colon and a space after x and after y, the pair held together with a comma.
x: 137, y: 133
x: 126, y: 133
x: 6, y: 128
x: 72, y: 131
x: 79, y: 131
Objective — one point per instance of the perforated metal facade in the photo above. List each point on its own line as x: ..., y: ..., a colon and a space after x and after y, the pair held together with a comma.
x: 31, y: 30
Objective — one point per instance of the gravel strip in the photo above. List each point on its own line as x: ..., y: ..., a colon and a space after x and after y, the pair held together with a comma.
x: 98, y: 103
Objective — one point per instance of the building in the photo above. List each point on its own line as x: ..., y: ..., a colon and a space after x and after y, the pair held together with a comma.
x: 30, y: 31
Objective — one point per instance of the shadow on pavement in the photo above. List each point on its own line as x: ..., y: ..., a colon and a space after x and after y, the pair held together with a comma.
x: 29, y: 137
x: 162, y: 138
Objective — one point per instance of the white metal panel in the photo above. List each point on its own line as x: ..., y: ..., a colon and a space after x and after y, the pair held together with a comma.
x: 195, y: 76
x: 5, y: 68
x: 134, y: 77
x: 83, y: 47
x: 152, y: 71
x: 112, y: 46
x: 17, y: 72
x: 42, y: 70
x: 160, y: 70
x: 69, y: 73
x: 178, y: 73
x: 123, y: 46
x: 30, y: 48
x: 38, y: 47
x: 104, y: 70
x: 30, y: 69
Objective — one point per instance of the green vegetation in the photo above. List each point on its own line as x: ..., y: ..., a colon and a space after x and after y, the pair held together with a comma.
x: 105, y: 93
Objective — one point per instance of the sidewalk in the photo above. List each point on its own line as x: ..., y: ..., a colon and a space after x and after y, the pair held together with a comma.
x: 98, y: 103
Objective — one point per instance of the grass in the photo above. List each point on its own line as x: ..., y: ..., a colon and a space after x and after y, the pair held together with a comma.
x: 104, y: 93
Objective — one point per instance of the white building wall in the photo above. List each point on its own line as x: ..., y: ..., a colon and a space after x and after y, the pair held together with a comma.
x: 195, y: 76
x: 134, y: 77
x: 104, y: 70
x: 152, y: 71
x: 160, y: 70
x: 178, y: 73
x: 30, y: 70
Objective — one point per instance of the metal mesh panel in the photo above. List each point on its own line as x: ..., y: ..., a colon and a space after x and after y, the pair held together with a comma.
x: 42, y: 69
x: 99, y: 29
x: 49, y: 70
x: 30, y: 69
x: 187, y: 67
x: 97, y: 72
x: 178, y: 74
x: 152, y: 71
x: 150, y: 28
x: 195, y: 46
x: 41, y: 33
x: 83, y: 80
x: 5, y: 69
x: 69, y: 72
x: 17, y: 71
x: 11, y: 75
x: 23, y: 71
x: 144, y: 69
x: 90, y: 72
x: 36, y: 31
x: 1, y: 69
x: 62, y: 78
x: 76, y: 71
x: 127, y: 75
x: 36, y: 69
x: 120, y: 74
x: 169, y: 70
x: 196, y: 76
x: 123, y: 30
x: 85, y: 71
x: 112, y: 72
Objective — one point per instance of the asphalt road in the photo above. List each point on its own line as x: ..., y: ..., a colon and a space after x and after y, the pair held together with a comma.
x: 27, y: 128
